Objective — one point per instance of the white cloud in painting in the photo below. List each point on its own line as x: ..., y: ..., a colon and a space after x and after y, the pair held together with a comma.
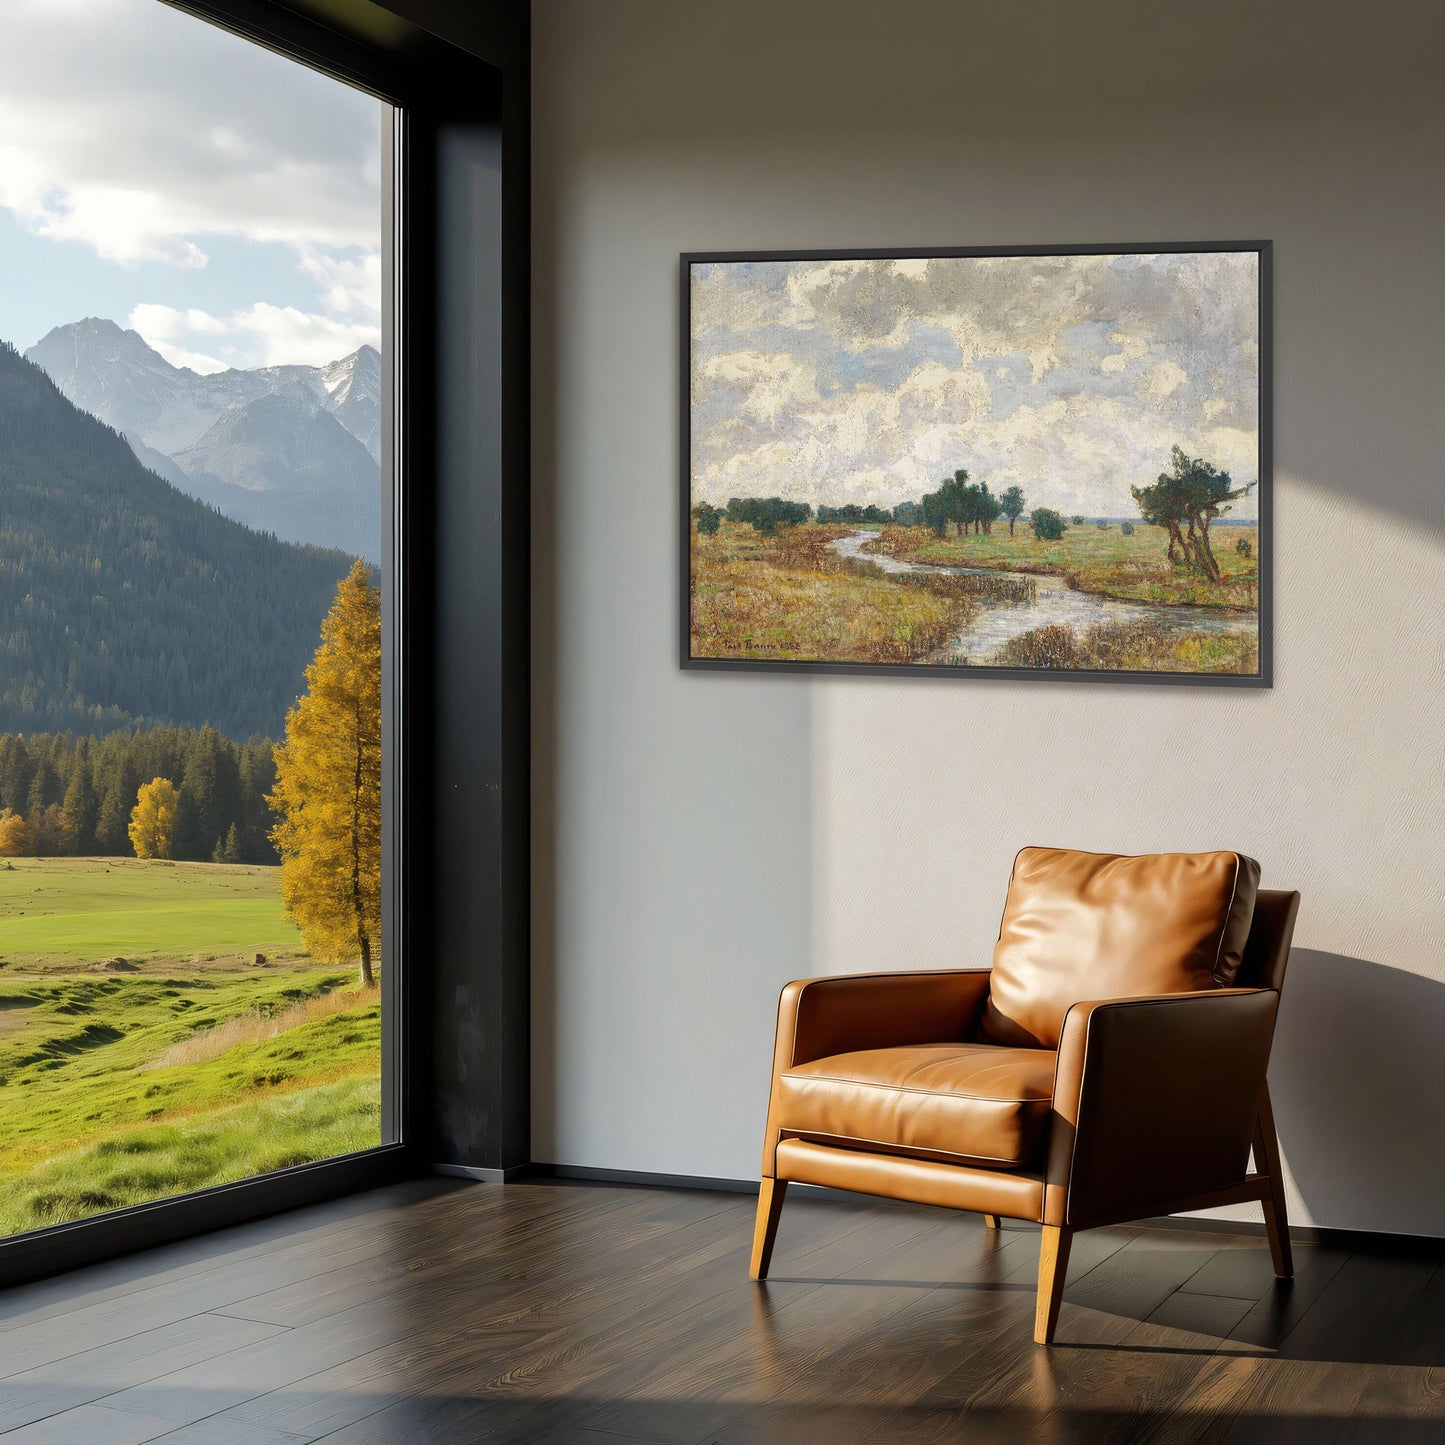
x: 1070, y: 376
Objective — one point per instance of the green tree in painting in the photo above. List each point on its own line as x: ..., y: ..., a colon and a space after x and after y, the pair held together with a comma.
x: 1186, y: 500
x: 767, y: 514
x: 1011, y: 504
x: 958, y: 500
x: 936, y: 513
x: 708, y: 519
x: 1048, y: 525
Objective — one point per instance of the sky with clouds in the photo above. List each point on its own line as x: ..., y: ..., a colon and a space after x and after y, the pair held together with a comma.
x: 1070, y: 376
x: 155, y: 170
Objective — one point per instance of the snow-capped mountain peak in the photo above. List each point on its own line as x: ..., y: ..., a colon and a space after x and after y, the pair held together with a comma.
x: 282, y: 448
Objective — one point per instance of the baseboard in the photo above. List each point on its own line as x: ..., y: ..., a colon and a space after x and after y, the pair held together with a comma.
x: 1359, y: 1241
x: 1363, y: 1241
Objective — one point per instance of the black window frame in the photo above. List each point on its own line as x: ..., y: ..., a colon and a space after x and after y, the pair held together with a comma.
x: 455, y: 1052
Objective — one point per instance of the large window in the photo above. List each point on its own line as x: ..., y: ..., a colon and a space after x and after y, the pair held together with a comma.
x: 193, y: 557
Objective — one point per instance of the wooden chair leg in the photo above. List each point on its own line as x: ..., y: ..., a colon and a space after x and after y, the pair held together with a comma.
x: 991, y: 1221
x: 1053, y: 1266
x: 765, y: 1230
x: 1266, y: 1160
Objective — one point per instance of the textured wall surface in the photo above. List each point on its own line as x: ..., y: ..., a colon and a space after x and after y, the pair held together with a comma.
x: 701, y: 839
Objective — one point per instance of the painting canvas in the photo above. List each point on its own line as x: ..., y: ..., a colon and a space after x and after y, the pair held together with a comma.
x: 1036, y: 463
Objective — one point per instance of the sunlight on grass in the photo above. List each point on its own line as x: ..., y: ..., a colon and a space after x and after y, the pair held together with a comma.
x: 76, y: 910
x: 257, y: 1025
x: 117, y: 1087
x: 198, y: 1153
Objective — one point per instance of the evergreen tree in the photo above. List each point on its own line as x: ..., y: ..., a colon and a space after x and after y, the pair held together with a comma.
x: 80, y: 809
x: 125, y: 602
x: 45, y: 787
x: 257, y: 765
x: 327, y: 796
x: 95, y: 781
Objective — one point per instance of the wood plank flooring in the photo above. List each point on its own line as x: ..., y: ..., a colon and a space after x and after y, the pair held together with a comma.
x: 438, y: 1311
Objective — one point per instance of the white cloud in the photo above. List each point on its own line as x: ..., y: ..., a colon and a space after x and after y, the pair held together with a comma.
x: 141, y: 131
x: 1080, y: 454
x: 350, y: 285
x: 258, y: 335
x: 770, y: 386
x: 1131, y: 348
x: 1166, y: 378
x: 156, y: 140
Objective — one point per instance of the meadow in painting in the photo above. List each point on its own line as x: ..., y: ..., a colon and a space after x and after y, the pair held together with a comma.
x: 1042, y: 462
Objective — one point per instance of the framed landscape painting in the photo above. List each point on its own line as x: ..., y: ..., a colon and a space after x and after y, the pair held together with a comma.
x: 1023, y: 463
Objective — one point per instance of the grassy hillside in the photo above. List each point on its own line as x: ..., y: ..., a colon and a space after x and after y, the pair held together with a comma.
x: 198, y: 1068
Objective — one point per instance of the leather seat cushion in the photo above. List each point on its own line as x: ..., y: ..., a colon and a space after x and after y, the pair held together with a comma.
x: 1079, y: 926
x: 964, y: 1103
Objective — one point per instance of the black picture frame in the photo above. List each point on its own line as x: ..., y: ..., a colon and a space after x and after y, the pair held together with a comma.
x: 1263, y: 678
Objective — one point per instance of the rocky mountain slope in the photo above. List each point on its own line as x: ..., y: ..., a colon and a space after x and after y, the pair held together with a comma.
x: 289, y: 473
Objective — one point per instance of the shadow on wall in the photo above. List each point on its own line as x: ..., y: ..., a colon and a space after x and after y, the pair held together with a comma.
x: 1358, y: 1083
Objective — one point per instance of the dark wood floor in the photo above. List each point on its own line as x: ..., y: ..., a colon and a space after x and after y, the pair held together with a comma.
x: 438, y: 1312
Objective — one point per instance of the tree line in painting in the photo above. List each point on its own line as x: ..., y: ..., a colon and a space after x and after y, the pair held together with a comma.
x: 1185, y: 501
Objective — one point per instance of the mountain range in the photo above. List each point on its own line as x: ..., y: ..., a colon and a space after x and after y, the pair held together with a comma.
x: 125, y: 602
x: 292, y: 450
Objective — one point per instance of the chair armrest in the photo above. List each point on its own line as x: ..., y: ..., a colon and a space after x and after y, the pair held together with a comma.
x: 1155, y: 1101
x: 819, y: 1017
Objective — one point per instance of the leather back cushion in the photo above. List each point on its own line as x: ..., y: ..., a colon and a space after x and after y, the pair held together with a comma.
x: 1082, y: 926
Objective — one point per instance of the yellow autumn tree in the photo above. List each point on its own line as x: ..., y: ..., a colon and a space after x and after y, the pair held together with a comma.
x: 14, y: 834
x: 153, y: 819
x: 328, y: 785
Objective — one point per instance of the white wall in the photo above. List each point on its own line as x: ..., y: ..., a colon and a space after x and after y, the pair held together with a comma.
x: 703, y: 838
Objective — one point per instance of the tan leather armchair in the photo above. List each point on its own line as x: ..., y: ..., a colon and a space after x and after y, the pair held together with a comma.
x: 1110, y: 1066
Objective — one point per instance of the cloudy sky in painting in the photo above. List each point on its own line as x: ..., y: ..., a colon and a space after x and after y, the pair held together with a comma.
x: 157, y: 171
x: 1072, y: 377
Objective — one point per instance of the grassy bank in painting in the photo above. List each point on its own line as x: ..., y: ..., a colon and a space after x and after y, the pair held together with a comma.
x: 1131, y: 647
x: 790, y: 596
x: 1108, y: 563
x: 144, y: 1049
